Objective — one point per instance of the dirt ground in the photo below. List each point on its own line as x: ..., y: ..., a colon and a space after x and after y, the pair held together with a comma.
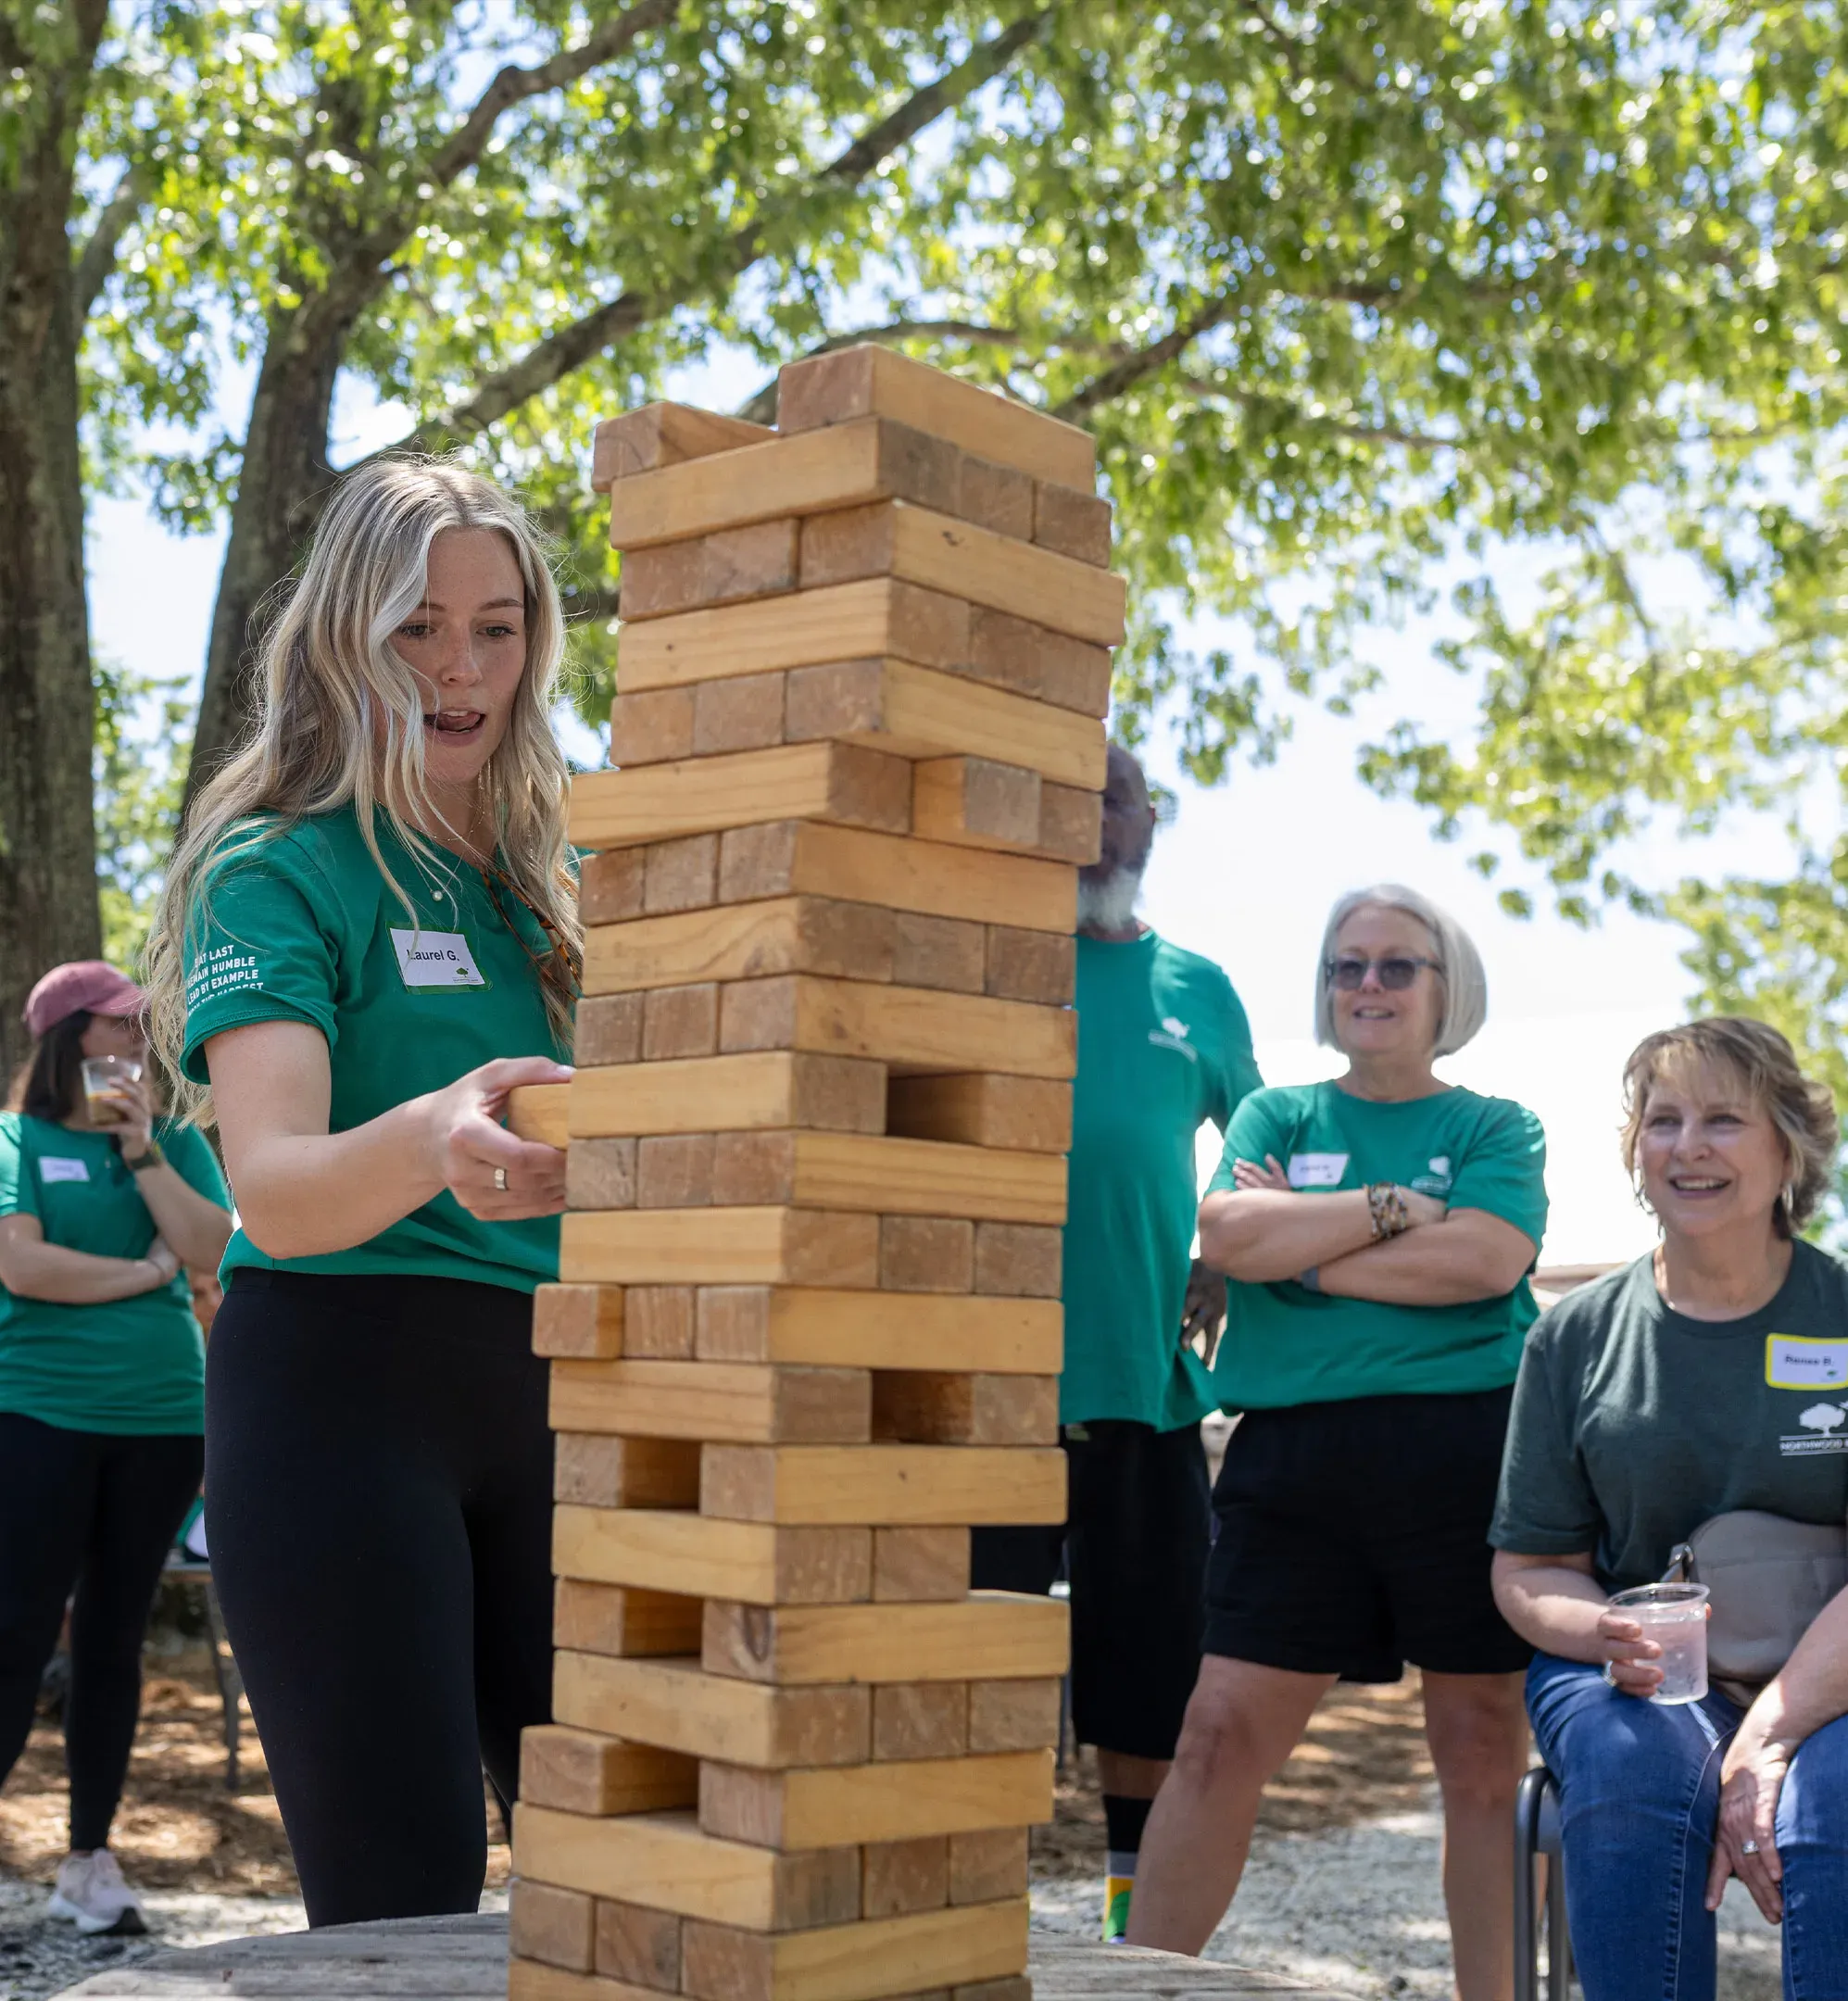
x: 180, y: 1830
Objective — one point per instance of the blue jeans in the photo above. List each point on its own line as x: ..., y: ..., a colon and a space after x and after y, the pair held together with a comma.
x: 1639, y: 1795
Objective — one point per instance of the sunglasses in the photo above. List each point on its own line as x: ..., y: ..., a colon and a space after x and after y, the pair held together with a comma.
x: 1395, y: 974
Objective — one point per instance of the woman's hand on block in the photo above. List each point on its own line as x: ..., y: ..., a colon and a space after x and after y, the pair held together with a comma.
x: 469, y: 1142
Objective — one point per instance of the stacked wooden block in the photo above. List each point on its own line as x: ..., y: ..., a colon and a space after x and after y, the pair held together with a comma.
x: 809, y: 1329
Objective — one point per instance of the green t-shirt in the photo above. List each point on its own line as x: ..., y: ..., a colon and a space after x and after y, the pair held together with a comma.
x: 1633, y: 1424
x: 1286, y: 1345
x: 1163, y: 1046
x: 304, y: 928
x: 133, y: 1366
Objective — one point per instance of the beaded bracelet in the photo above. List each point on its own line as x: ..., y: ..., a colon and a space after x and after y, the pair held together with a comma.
x: 1387, y: 1207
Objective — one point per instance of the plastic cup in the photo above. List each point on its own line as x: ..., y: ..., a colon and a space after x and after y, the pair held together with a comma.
x: 1675, y: 1617
x: 103, y: 1075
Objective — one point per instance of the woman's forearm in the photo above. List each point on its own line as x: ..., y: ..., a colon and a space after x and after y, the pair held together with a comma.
x: 1470, y: 1256
x: 1552, y: 1605
x: 1261, y: 1235
x: 305, y: 1194
x: 64, y: 1278
x: 1811, y: 1687
x: 194, y: 1225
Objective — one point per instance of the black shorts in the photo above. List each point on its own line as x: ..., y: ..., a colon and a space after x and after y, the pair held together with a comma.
x: 1134, y: 1542
x: 1353, y: 1537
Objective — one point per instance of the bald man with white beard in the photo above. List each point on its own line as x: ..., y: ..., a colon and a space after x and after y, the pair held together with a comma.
x: 1163, y: 1046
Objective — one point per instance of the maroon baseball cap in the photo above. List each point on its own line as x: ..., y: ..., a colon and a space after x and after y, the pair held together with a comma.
x: 86, y: 987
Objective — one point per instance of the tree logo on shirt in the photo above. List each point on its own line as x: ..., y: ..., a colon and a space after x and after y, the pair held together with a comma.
x: 1173, y: 1034
x: 1436, y: 1179
x: 1823, y: 1417
x: 1826, y: 1420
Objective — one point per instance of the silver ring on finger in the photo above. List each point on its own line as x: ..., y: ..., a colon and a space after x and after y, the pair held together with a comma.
x: 500, y: 1180
x: 1748, y: 1847
x: 1610, y: 1672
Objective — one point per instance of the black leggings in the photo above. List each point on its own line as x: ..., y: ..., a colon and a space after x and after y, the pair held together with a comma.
x: 378, y: 1506
x: 100, y: 1512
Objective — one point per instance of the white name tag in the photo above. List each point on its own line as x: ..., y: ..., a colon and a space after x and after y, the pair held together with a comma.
x: 54, y: 1167
x: 1317, y: 1170
x: 1793, y: 1362
x: 435, y: 959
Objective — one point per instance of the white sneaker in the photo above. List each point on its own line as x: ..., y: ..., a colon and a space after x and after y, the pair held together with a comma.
x: 89, y: 1891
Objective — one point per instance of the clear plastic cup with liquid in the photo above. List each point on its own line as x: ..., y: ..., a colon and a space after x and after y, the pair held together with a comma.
x: 1675, y: 1617
x: 102, y: 1077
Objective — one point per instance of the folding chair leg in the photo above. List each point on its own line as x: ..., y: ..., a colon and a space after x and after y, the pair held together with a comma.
x: 1526, y: 1913
x: 1558, y: 1933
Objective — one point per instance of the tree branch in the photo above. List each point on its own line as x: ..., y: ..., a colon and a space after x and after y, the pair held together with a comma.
x: 90, y: 272
x: 552, y: 358
x: 1207, y: 392
x: 1144, y: 361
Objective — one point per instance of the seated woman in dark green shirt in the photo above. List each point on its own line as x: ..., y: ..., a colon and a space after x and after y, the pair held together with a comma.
x: 1377, y: 1231
x: 1708, y: 1377
x: 369, y: 936
x: 102, y: 1387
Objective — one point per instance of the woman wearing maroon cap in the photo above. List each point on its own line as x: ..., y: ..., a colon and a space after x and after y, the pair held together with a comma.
x: 102, y: 1387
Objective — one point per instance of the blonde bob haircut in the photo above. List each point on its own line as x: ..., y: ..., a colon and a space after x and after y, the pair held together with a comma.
x: 1762, y: 1065
x: 1459, y: 965
x: 338, y: 721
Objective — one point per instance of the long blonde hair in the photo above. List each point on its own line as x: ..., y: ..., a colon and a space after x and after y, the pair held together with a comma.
x: 339, y: 721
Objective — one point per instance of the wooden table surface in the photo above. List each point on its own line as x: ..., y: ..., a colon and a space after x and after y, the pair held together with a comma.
x: 465, y: 1960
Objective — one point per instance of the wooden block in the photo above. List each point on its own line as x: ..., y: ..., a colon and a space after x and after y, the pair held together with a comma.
x: 821, y: 1247
x: 584, y: 1772
x: 1018, y: 1259
x: 659, y: 1323
x: 680, y: 1022
x: 742, y: 714
x: 663, y: 434
x: 880, y: 617
x: 609, y: 1030
x: 868, y: 380
x: 633, y: 1942
x: 680, y: 874
x: 1006, y: 652
x: 1030, y: 965
x: 848, y: 1330
x: 533, y: 1980
x: 919, y: 546
x: 1072, y: 524
x: 927, y: 1255
x: 826, y: 1170
x: 975, y: 802
x: 792, y: 857
x: 900, y: 1800
x: 1026, y: 1115
x: 538, y: 1111
x: 726, y: 566
x: 600, y: 1173
x: 908, y: 1027
x: 1016, y: 1987
x: 854, y: 1962
x: 987, y: 1865
x: 763, y: 1088
x: 983, y: 1636
x: 740, y: 941
x: 596, y: 1471
x: 675, y: 1170
x: 919, y: 1565
x: 664, y: 1862
x: 609, y: 1619
x: 818, y: 781
x: 554, y: 1925
x: 676, y: 1706
x: 584, y: 1322
x: 665, y: 1550
x: 949, y: 953
x: 904, y: 1876
x: 930, y: 1407
x: 1012, y: 1715
x: 1071, y: 825
x: 920, y: 1719
x: 716, y: 1399
x: 918, y: 712
x: 610, y: 887
x: 997, y: 498
x: 882, y: 1484
x: 1074, y: 674
x: 781, y: 477
x: 652, y: 726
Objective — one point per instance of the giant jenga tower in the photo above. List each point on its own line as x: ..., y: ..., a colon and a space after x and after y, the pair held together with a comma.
x: 809, y: 1329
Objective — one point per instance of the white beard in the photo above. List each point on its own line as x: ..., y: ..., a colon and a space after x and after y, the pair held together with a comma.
x: 1107, y: 903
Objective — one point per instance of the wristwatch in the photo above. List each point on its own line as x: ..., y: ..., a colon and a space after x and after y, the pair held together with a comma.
x: 154, y: 1157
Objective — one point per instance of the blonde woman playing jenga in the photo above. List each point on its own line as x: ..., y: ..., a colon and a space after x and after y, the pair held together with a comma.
x: 369, y: 937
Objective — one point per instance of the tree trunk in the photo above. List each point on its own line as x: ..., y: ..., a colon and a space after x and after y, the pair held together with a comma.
x: 48, y: 909
x: 283, y: 478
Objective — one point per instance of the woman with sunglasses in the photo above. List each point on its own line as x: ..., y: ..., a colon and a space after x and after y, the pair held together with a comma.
x: 368, y: 937
x: 1377, y: 1231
